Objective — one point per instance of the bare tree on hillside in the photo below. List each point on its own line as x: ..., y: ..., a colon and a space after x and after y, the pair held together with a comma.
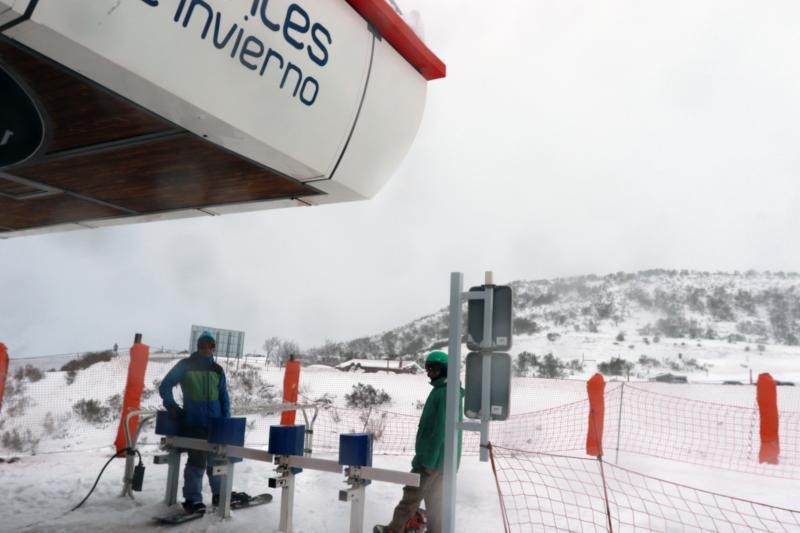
x: 271, y: 346
x: 287, y: 349
x: 330, y: 353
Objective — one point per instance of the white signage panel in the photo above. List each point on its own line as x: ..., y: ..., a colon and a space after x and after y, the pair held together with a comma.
x: 278, y: 81
x: 229, y: 343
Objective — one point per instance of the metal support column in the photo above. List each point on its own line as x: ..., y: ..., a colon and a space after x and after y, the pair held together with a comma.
x: 619, y: 417
x: 486, y: 368
x: 130, y: 444
x: 225, y: 472
x: 357, y: 503
x: 173, y: 477
x: 127, y: 479
x: 453, y: 402
x: 287, y: 504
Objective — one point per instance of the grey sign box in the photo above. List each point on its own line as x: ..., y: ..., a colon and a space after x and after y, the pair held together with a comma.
x: 501, y: 320
x: 500, y: 386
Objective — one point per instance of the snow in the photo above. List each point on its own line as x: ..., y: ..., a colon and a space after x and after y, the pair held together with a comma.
x: 39, y: 489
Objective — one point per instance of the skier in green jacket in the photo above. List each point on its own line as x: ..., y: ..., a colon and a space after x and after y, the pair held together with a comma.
x: 428, y: 459
x: 205, y: 396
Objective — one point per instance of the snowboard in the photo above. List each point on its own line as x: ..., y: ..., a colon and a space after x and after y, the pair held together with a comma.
x: 178, y: 517
x: 240, y: 500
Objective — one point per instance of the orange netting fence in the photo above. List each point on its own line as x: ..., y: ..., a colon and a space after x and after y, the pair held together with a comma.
x: 58, y: 410
x: 698, y: 432
x: 636, y: 421
x: 548, y: 492
x: 545, y: 481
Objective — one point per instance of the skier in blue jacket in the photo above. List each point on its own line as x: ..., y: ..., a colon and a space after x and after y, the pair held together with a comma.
x: 205, y: 396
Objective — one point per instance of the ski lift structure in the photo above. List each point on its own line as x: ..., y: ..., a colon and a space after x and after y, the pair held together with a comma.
x: 122, y: 112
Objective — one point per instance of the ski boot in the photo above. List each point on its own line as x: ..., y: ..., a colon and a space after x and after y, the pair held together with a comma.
x: 194, y: 507
x: 238, y: 499
x: 416, y: 524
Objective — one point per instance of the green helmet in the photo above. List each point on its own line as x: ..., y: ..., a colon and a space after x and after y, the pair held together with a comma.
x: 437, y: 357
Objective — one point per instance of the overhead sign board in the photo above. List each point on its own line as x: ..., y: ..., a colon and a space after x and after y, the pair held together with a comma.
x: 501, y: 319
x: 500, y: 393
x: 230, y: 343
x: 21, y: 125
x: 324, y: 94
x: 277, y: 81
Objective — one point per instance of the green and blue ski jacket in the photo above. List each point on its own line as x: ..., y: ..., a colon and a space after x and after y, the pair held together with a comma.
x: 430, y: 432
x: 205, y: 393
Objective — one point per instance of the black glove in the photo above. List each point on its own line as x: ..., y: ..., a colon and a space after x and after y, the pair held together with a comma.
x: 176, y: 411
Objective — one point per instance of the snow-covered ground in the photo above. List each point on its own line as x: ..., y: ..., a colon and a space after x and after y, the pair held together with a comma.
x: 37, y: 490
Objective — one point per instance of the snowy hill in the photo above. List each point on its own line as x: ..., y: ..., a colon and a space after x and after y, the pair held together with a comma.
x: 756, y: 308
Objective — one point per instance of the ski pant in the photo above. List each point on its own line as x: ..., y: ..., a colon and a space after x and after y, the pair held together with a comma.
x: 430, y: 490
x: 197, y: 464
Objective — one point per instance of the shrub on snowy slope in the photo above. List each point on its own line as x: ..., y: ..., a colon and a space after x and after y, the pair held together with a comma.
x: 365, y: 396
x: 88, y: 359
x: 92, y: 411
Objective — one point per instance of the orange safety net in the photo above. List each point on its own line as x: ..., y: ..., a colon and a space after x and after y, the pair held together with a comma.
x: 548, y: 492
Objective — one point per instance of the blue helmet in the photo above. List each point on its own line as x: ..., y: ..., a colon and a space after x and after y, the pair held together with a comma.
x: 207, y: 337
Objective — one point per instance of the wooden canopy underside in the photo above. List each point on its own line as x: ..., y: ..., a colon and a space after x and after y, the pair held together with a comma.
x: 105, y: 157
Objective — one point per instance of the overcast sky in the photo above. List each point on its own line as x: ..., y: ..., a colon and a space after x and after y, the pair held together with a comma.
x: 568, y: 138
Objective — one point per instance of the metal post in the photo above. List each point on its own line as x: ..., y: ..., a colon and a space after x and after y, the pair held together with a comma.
x: 225, y: 472
x: 308, y: 438
x: 130, y: 458
x: 453, y: 401
x: 130, y: 443
x: 486, y: 368
x: 173, y: 477
x: 357, y: 509
x: 619, y: 418
x: 287, y: 504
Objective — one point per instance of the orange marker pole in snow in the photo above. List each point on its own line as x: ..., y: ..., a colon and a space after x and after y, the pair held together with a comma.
x: 291, y: 382
x: 140, y: 353
x: 596, y: 388
x: 3, y: 371
x: 767, y: 398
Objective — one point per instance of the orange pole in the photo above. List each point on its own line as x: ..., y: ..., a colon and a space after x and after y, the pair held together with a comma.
x: 596, y: 388
x: 291, y: 382
x: 140, y: 353
x: 3, y: 371
x: 767, y: 397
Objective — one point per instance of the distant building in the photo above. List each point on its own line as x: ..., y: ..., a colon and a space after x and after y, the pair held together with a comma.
x: 380, y: 365
x: 669, y: 378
